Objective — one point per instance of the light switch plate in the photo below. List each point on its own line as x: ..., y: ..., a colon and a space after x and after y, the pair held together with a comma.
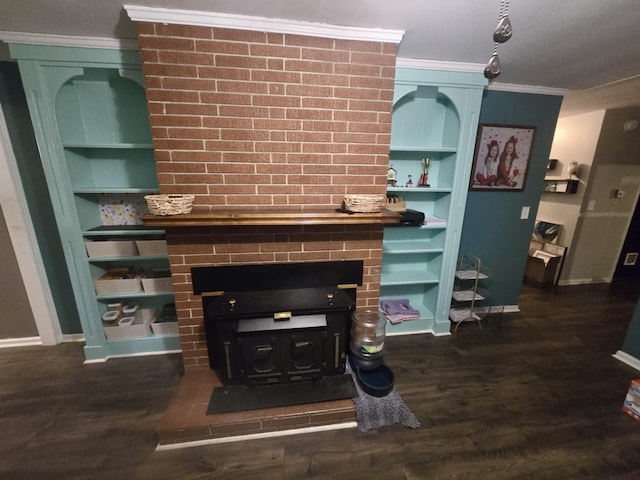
x: 525, y: 213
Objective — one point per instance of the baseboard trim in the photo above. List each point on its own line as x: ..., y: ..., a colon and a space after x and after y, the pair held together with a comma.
x: 254, y: 436
x: 73, y: 337
x: 20, y: 342
x: 511, y: 309
x: 628, y: 359
x: 127, y: 355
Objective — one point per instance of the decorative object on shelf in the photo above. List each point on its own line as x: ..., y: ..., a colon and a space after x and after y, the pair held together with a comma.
x: 364, y: 203
x: 171, y: 204
x: 395, y: 203
x: 121, y: 209
x: 560, y: 185
x: 409, y: 183
x: 424, y: 178
x: 501, y: 158
x: 501, y: 34
x: 574, y: 170
x: 392, y: 173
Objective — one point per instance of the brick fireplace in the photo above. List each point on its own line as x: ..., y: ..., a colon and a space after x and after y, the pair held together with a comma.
x: 246, y: 119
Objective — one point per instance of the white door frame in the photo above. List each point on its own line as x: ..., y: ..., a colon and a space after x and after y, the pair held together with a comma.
x: 25, y: 245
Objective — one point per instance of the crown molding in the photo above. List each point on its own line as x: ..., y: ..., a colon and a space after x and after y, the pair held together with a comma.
x: 439, y: 65
x: 261, y: 24
x: 513, y: 87
x: 68, y: 40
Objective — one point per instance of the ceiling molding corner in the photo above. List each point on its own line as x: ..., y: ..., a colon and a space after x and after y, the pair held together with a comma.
x: 439, y: 65
x: 68, y: 40
x: 513, y: 87
x: 261, y: 24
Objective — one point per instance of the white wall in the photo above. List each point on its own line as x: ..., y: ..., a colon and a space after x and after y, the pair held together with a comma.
x: 575, y: 139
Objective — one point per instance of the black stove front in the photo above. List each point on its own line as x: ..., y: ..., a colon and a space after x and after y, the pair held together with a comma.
x: 278, y: 323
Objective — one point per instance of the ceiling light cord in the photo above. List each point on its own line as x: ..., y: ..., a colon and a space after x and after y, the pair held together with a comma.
x: 501, y: 34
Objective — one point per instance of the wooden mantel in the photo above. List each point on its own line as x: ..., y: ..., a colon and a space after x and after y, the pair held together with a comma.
x: 270, y: 216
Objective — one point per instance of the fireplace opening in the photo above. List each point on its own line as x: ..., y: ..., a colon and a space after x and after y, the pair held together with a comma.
x: 275, y: 324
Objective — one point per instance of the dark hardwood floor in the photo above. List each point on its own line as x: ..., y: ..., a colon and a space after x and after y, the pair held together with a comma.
x: 532, y: 395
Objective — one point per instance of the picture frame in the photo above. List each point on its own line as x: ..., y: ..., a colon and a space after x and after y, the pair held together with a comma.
x: 494, y: 167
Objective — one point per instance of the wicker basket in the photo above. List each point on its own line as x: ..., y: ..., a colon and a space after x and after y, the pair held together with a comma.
x: 364, y: 203
x: 169, y: 204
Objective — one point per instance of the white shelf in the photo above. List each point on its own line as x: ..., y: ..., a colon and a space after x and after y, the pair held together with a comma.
x: 470, y: 275
x: 408, y: 277
x: 408, y: 246
x: 466, y: 296
x: 458, y: 315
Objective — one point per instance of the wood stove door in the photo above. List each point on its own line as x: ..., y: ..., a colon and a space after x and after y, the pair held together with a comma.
x: 303, y: 355
x: 261, y: 358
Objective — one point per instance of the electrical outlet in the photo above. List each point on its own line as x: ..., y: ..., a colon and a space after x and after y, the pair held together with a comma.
x: 591, y: 205
x: 525, y: 213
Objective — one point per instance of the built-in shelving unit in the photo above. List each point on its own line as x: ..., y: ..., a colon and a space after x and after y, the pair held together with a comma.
x: 90, y: 118
x: 435, y: 117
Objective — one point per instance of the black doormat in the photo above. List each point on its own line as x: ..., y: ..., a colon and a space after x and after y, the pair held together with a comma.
x: 239, y: 398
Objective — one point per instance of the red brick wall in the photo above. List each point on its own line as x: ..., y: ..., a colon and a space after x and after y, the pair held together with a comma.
x: 243, y: 118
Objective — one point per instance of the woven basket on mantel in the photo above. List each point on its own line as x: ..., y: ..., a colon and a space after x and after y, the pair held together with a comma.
x: 171, y: 204
x: 364, y: 203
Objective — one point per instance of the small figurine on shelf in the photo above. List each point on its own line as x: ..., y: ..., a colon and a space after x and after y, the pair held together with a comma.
x: 409, y: 182
x: 391, y: 176
x: 424, y: 178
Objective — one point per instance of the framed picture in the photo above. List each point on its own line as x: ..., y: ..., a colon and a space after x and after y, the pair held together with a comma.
x: 501, y: 158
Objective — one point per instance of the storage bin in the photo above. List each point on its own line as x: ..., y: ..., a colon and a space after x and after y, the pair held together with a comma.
x: 111, y: 248
x: 147, y: 314
x: 111, y: 317
x: 117, y: 281
x: 115, y: 306
x: 130, y: 311
x: 157, y: 281
x: 151, y: 247
x: 164, y: 328
x: 136, y: 329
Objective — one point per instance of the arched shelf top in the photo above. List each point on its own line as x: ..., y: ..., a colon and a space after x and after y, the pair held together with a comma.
x: 103, y: 106
x: 424, y: 116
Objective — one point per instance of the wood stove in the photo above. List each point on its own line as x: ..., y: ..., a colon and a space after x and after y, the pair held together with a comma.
x: 277, y: 323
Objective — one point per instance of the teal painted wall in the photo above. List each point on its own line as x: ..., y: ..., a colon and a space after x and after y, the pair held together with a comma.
x: 492, y: 227
x: 631, y: 343
x: 14, y: 105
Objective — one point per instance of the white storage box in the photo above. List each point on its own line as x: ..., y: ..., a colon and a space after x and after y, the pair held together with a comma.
x: 116, y: 282
x: 111, y: 248
x: 111, y: 317
x: 147, y: 314
x: 119, y: 332
x: 164, y: 328
x: 151, y: 247
x: 157, y: 281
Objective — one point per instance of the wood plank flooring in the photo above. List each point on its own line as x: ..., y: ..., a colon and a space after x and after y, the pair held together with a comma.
x: 531, y: 395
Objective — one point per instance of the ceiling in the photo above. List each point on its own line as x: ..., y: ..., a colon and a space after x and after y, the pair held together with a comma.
x: 589, y: 47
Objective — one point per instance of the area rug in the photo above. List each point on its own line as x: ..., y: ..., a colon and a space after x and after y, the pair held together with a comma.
x: 376, y: 412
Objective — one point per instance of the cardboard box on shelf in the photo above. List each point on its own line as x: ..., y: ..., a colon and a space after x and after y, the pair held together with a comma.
x: 118, y: 280
x: 151, y: 247
x: 133, y: 328
x: 155, y: 281
x: 111, y: 248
